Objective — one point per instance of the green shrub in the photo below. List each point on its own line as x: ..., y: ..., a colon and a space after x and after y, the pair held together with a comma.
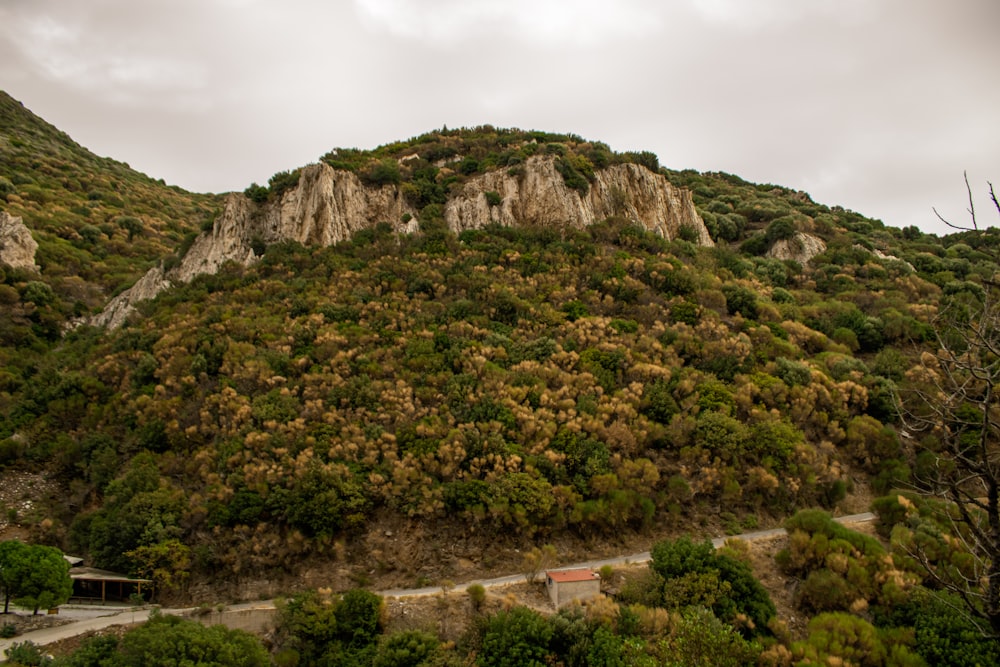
x: 844, y: 636
x: 516, y: 638
x: 256, y: 193
x: 743, y: 594
x: 741, y: 300
x: 943, y: 634
x: 779, y: 229
x: 383, y: 172
x: 28, y: 654
x: 702, y: 639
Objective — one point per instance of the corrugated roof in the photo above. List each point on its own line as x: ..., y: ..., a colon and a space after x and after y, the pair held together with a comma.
x: 563, y: 576
x: 93, y: 574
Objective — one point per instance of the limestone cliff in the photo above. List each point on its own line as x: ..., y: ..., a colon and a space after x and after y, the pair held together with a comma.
x: 17, y: 247
x: 328, y: 206
x: 539, y: 196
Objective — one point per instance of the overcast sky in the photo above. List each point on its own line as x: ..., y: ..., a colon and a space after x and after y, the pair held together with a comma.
x: 875, y: 105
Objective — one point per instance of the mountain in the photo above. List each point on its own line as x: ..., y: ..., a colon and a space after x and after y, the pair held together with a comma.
x: 414, y: 362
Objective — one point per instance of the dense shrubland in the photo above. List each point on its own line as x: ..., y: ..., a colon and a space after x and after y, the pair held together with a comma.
x: 507, y: 377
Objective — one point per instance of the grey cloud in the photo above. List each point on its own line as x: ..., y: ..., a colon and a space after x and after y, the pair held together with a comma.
x: 874, y: 106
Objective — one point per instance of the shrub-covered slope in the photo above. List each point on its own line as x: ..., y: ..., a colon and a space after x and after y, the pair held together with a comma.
x: 527, y: 382
x: 99, y: 224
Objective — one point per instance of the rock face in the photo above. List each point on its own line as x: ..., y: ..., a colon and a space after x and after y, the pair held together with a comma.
x: 17, y: 247
x: 540, y: 197
x: 328, y: 206
x: 120, y: 307
x: 800, y: 248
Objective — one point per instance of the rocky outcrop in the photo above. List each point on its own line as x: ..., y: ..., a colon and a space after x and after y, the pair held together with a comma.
x: 539, y: 196
x: 800, y: 248
x: 17, y: 247
x: 120, y: 307
x: 328, y: 206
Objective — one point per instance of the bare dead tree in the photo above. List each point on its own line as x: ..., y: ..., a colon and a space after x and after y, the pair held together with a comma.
x: 971, y: 210
x: 954, y: 398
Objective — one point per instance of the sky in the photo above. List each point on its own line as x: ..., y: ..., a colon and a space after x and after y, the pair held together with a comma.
x: 879, y: 106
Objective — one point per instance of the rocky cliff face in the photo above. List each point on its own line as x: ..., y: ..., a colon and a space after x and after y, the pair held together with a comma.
x: 329, y: 206
x: 540, y: 197
x: 17, y: 247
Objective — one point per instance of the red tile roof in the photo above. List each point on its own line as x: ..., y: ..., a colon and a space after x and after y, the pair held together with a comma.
x: 562, y: 576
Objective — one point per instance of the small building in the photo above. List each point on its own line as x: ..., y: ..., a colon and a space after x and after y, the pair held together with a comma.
x: 567, y: 585
x: 92, y: 584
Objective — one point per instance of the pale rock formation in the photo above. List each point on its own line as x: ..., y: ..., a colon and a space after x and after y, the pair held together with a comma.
x: 17, y: 247
x: 539, y: 196
x: 328, y: 206
x: 881, y: 255
x: 800, y: 248
x: 120, y: 307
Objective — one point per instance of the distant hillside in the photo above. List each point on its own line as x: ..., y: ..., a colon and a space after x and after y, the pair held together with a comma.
x: 413, y: 402
x: 99, y: 224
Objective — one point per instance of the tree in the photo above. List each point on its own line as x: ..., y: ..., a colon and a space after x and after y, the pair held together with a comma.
x: 516, y: 638
x: 722, y: 583
x: 185, y: 642
x: 409, y: 648
x: 15, y: 563
x: 537, y: 560
x: 167, y: 563
x: 33, y: 576
x: 952, y: 401
x: 48, y: 583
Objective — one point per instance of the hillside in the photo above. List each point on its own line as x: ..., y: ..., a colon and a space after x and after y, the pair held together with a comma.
x: 453, y: 380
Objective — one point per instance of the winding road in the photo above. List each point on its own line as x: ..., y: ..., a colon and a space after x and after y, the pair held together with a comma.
x: 96, y: 618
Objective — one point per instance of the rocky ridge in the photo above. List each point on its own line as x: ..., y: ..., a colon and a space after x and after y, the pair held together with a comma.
x: 17, y: 247
x: 328, y: 206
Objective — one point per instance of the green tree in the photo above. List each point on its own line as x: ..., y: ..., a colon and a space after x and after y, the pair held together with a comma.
x: 701, y: 639
x: 409, y: 648
x: 33, y: 576
x: 516, y: 638
x: 359, y: 617
x: 167, y: 563
x: 942, y: 637
x: 841, y: 635
x: 15, y: 564
x: 730, y: 588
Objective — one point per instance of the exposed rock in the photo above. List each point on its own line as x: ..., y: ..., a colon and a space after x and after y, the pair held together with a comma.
x: 328, y: 206
x: 800, y: 248
x: 881, y: 255
x: 17, y: 247
x: 120, y: 307
x: 539, y: 196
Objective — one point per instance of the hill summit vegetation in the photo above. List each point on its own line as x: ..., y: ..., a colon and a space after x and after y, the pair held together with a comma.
x: 486, y: 390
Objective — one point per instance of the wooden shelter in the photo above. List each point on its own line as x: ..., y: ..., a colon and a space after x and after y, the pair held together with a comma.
x: 89, y: 583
